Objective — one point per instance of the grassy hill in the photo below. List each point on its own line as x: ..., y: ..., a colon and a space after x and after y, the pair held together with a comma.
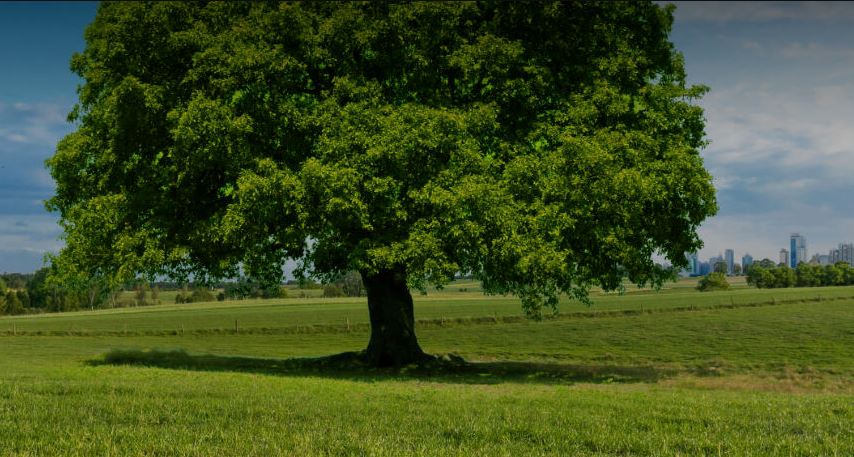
x: 673, y: 372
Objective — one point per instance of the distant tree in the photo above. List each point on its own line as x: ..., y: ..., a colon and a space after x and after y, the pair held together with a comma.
x: 761, y: 277
x: 847, y: 272
x: 201, y: 294
x: 12, y: 304
x: 332, y: 290
x: 545, y: 147
x: 784, y: 276
x: 23, y: 298
x: 142, y: 291
x: 832, y: 275
x: 352, y: 285
x: 736, y: 269
x: 2, y: 287
x: 713, y: 281
x: 767, y: 263
x: 807, y: 275
x: 720, y: 267
x: 37, y: 289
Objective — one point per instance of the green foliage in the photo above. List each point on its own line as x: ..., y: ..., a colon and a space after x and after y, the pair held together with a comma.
x: 49, y: 294
x: 332, y: 291
x: 805, y: 275
x: 351, y: 284
x: 249, y: 288
x: 308, y: 284
x: 144, y: 295
x: 713, y: 281
x: 12, y: 305
x: 23, y: 298
x: 199, y: 294
x: 15, y: 280
x: 542, y: 147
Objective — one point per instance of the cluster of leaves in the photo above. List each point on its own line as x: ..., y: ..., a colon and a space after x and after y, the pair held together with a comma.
x: 804, y: 275
x: 713, y: 281
x: 542, y: 147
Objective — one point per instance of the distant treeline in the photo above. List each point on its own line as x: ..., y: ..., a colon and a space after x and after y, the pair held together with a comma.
x: 22, y: 293
x: 33, y: 293
x: 765, y: 276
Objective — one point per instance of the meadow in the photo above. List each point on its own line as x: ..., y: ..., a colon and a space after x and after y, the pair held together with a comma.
x: 669, y: 372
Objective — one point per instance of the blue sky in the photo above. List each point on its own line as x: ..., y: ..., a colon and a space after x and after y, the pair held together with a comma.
x: 780, y: 118
x: 37, y: 90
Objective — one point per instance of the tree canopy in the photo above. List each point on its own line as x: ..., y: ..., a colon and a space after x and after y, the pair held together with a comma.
x: 543, y: 147
x: 713, y: 281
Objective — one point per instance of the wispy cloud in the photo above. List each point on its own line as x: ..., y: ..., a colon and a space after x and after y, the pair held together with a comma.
x: 37, y: 233
x: 40, y: 124
x: 779, y: 120
x: 734, y: 12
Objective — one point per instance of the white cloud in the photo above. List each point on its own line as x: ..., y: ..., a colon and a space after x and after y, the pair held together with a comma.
x: 39, y: 123
x: 758, y: 12
x: 35, y: 233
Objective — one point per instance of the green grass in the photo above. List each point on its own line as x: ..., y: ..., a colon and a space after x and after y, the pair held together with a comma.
x: 745, y: 372
x: 445, y: 305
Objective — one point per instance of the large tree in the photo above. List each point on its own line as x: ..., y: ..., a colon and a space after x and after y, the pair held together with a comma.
x: 542, y: 147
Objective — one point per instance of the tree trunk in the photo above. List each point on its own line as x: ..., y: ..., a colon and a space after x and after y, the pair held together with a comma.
x: 393, y: 341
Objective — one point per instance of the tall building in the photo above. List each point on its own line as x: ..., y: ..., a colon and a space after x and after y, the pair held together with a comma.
x: 713, y: 261
x: 693, y: 264
x: 797, y: 250
x: 746, y: 262
x: 844, y: 253
x: 729, y: 258
x: 784, y: 257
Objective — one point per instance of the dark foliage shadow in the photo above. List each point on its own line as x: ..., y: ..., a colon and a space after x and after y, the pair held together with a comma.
x: 349, y: 365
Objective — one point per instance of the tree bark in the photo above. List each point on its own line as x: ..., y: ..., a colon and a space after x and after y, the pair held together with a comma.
x: 393, y: 341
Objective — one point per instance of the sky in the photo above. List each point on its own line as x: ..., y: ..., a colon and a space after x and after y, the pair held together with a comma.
x: 37, y: 90
x: 780, y: 120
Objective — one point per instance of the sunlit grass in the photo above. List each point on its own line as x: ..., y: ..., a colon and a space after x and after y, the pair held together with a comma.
x: 693, y: 374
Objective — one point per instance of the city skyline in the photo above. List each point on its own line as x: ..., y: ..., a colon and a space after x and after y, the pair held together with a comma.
x: 840, y: 251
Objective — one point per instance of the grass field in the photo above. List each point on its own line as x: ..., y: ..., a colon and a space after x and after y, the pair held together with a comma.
x: 674, y: 372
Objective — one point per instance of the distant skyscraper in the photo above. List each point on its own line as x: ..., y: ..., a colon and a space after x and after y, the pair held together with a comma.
x: 784, y: 257
x: 746, y: 262
x: 713, y: 261
x: 844, y: 253
x: 693, y: 264
x: 797, y: 250
x: 729, y: 258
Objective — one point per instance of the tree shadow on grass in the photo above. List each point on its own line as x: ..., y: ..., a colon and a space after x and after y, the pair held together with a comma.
x: 349, y: 365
